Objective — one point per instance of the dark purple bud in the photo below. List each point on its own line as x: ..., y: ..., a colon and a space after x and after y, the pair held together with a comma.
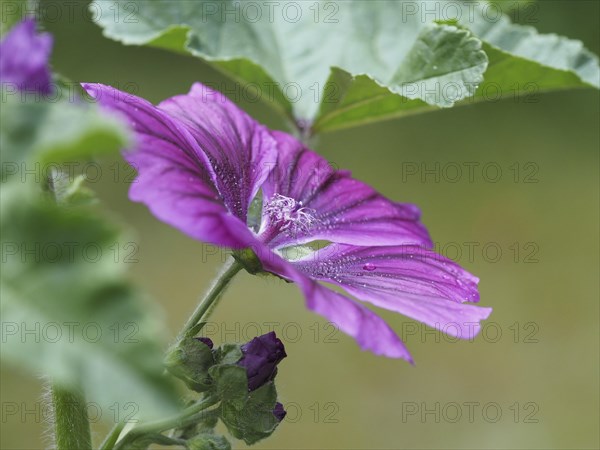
x: 206, y: 341
x: 279, y: 412
x: 260, y: 358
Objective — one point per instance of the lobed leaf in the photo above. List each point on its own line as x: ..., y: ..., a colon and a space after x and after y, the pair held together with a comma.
x: 387, y: 58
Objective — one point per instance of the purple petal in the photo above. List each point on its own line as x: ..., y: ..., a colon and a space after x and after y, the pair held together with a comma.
x: 241, y: 152
x: 406, y: 279
x: 24, y: 57
x: 344, y: 210
x: 400, y: 269
x: 173, y: 178
x: 368, y: 329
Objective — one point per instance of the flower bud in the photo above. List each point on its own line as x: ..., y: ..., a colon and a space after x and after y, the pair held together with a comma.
x: 207, y: 341
x: 260, y: 358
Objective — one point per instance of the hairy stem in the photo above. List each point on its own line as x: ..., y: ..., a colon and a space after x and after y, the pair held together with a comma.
x: 186, y: 417
x: 190, y: 415
x: 112, y: 437
x: 229, y: 270
x: 71, y: 424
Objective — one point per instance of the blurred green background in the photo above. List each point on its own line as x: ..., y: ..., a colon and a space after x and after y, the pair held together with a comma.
x: 541, y: 373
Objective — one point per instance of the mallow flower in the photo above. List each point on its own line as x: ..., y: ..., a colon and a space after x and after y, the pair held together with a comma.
x: 24, y: 56
x: 210, y: 170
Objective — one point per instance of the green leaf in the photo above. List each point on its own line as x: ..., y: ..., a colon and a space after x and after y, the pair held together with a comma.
x: 358, y: 100
x: 445, y: 65
x: 19, y: 125
x: 387, y: 59
x: 512, y: 77
x: 556, y: 56
x: 36, y: 134
x: 68, y: 311
x: 12, y: 12
x: 228, y: 46
x: 296, y: 56
x: 255, y: 421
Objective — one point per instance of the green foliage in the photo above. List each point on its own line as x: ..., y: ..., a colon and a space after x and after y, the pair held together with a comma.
x: 37, y: 134
x: 68, y: 311
x: 359, y: 61
x: 228, y: 354
x: 189, y: 361
x: 11, y: 12
x: 71, y: 193
x: 208, y: 441
x: 247, y: 415
x: 253, y: 419
x: 231, y: 384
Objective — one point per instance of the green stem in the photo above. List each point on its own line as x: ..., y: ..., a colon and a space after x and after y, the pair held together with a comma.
x: 229, y: 270
x: 191, y: 414
x: 71, y: 425
x: 112, y: 437
x: 185, y: 418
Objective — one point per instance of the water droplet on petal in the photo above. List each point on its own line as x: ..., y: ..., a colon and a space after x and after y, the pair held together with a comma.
x: 369, y: 267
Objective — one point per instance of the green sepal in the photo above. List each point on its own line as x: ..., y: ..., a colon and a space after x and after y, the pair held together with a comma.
x: 247, y: 258
x: 208, y: 441
x: 231, y: 384
x: 255, y: 420
x: 228, y: 354
x: 190, y: 361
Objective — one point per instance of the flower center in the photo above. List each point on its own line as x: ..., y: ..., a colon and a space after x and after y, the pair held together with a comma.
x: 289, y: 216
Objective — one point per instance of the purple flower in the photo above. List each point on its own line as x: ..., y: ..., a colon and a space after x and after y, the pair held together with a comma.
x: 24, y: 58
x: 202, y: 161
x: 260, y: 358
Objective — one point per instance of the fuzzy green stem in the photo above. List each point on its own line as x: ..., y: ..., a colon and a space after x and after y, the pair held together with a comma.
x: 229, y: 270
x: 112, y: 437
x: 71, y: 424
x: 185, y: 418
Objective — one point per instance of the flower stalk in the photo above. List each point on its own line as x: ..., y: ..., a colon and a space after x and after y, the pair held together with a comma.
x: 216, y: 290
x: 188, y: 416
x: 71, y: 424
x: 112, y: 437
